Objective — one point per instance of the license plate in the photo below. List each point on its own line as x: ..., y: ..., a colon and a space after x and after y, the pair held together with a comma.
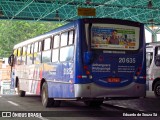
x: 113, y: 80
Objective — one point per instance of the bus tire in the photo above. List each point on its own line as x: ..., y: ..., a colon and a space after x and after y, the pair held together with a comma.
x: 21, y: 93
x: 93, y: 103
x: 46, y: 102
x: 57, y: 103
x: 157, y: 89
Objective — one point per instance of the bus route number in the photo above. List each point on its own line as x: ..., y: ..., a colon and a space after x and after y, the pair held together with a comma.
x: 127, y: 60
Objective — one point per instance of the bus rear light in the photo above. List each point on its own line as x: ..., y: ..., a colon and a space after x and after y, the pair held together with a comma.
x: 138, y: 71
x: 81, y: 76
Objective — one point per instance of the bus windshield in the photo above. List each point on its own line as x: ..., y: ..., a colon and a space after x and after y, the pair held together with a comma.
x: 114, y: 37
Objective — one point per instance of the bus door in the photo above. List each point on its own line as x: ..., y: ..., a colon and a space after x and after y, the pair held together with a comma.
x: 149, y: 66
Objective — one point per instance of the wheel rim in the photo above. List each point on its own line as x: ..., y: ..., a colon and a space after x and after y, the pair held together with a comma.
x: 44, y: 99
x: 158, y: 90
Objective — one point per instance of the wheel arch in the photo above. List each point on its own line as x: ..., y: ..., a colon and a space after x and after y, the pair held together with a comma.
x: 42, y: 81
x: 154, y: 82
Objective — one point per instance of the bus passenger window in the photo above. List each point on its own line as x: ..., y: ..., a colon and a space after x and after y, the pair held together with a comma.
x: 71, y: 38
x: 47, y: 43
x: 64, y: 39
x: 19, y: 52
x: 15, y: 56
x: 55, y: 55
x: 28, y: 49
x: 39, y: 46
x: 37, y: 53
x: 66, y: 53
x: 19, y: 56
x: 32, y: 47
x: 15, y: 52
x: 56, y: 41
x: 23, y: 55
x: 36, y: 47
x: 24, y: 51
x: 29, y: 55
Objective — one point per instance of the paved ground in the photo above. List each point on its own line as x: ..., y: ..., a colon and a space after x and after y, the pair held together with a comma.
x: 150, y: 103
x: 111, y: 108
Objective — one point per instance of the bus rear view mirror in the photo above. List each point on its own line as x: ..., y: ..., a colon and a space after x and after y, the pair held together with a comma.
x: 11, y: 60
x: 88, y: 57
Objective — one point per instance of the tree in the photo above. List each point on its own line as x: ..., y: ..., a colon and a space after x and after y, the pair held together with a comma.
x: 13, y: 32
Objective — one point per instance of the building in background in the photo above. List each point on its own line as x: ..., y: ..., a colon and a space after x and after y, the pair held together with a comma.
x: 5, y: 79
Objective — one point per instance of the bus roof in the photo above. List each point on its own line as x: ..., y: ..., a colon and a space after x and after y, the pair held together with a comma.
x: 72, y: 24
x: 43, y: 36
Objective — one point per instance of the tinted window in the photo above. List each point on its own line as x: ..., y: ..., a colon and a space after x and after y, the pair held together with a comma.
x: 46, y: 56
x: 66, y: 53
x: 71, y: 38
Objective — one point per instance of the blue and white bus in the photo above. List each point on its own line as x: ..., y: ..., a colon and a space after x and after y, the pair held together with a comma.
x: 153, y: 68
x: 88, y: 59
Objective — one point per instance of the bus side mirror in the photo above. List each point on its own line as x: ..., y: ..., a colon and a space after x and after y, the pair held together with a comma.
x: 11, y: 60
x: 88, y: 57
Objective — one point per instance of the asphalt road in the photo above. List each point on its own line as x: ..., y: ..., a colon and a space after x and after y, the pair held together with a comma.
x: 26, y: 107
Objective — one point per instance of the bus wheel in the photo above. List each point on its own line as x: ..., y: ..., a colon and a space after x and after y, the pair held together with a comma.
x: 46, y: 102
x: 157, y: 89
x: 93, y: 103
x: 21, y: 93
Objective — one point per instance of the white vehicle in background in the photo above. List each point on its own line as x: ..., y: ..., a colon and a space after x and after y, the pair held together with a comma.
x: 153, y: 67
